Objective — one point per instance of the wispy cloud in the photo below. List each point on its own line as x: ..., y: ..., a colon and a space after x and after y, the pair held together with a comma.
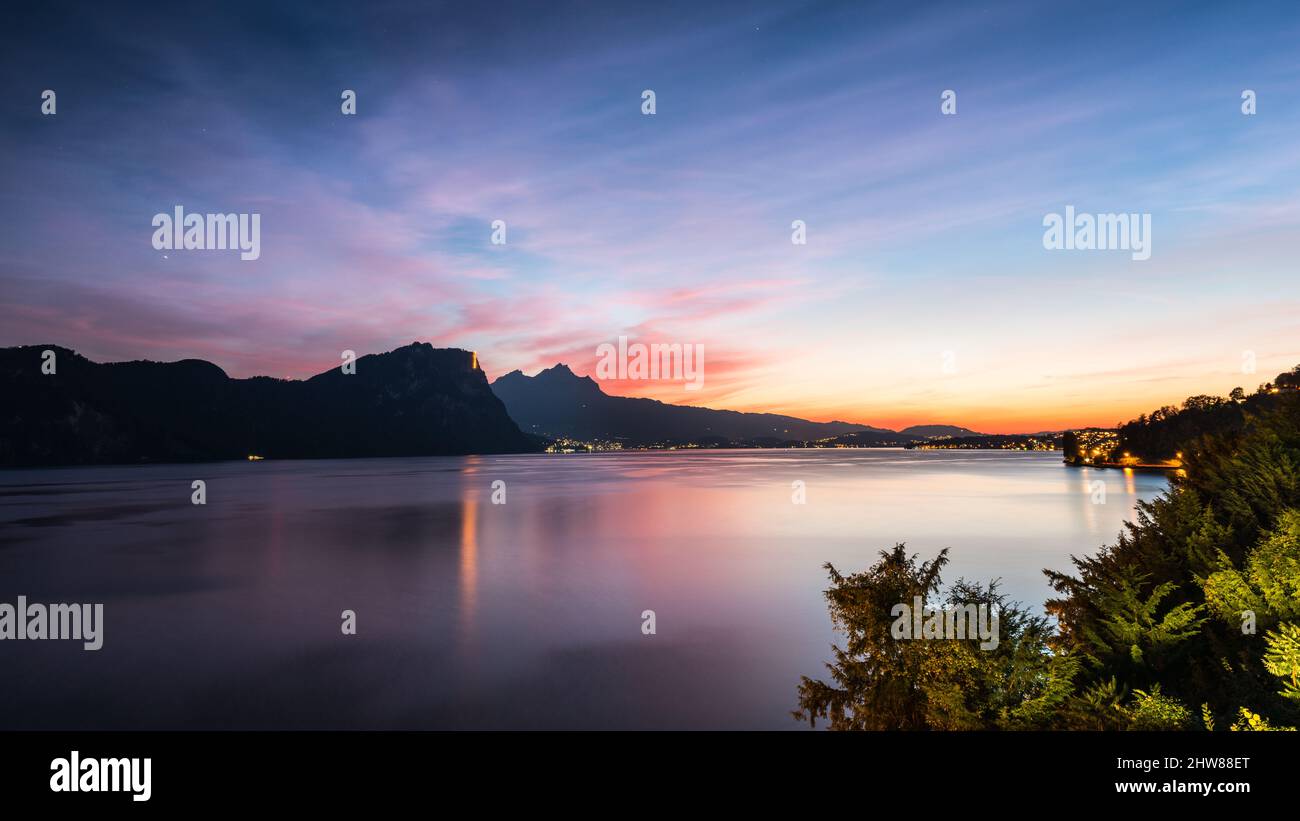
x: 923, y: 231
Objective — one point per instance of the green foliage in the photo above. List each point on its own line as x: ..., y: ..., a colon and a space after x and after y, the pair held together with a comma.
x: 880, y: 682
x: 1163, y: 606
x: 1282, y: 658
x: 1099, y: 707
x: 1135, y: 623
x: 1269, y: 584
x: 1154, y: 711
x: 1170, y: 430
x: 1105, y: 706
x: 1254, y: 722
x: 1142, y: 628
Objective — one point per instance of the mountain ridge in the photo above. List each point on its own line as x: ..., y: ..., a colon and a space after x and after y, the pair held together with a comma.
x: 558, y: 403
x: 415, y: 400
x: 936, y: 431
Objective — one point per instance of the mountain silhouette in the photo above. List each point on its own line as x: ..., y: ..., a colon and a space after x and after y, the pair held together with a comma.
x: 558, y: 403
x: 416, y: 400
x: 934, y: 431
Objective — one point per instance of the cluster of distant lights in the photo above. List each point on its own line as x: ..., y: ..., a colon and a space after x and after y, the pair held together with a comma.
x: 579, y: 446
x: 1026, y: 444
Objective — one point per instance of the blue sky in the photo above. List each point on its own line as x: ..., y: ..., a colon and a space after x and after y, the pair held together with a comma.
x: 924, y: 230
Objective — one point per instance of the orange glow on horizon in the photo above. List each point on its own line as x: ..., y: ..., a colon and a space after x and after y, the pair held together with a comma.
x: 1008, y: 416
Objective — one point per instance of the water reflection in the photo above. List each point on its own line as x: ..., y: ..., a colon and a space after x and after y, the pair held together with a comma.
x: 478, y: 615
x: 468, y: 563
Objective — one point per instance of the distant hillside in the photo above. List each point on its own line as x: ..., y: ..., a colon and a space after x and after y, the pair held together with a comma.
x: 1166, y: 431
x: 413, y: 401
x: 934, y: 431
x: 992, y: 441
x: 1170, y: 435
x: 560, y: 404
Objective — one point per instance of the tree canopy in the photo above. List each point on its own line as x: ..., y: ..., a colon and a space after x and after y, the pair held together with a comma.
x: 1191, y: 620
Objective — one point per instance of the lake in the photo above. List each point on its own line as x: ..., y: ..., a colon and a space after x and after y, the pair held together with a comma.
x: 471, y: 614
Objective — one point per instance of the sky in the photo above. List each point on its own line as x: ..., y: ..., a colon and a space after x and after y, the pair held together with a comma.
x: 923, y: 294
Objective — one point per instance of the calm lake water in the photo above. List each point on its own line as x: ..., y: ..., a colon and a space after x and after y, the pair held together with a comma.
x: 475, y: 615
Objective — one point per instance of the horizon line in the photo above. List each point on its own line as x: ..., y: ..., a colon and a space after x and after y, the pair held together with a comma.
x: 983, y: 430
